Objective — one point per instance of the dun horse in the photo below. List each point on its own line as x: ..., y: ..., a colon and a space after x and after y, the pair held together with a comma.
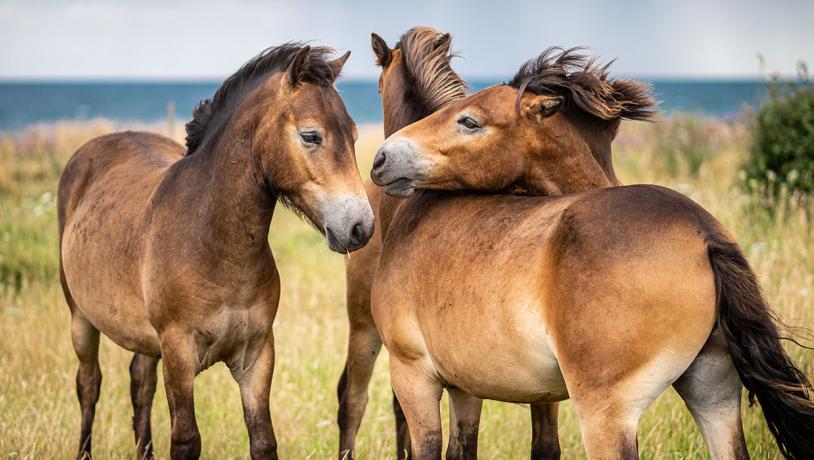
x: 165, y: 249
x: 606, y: 297
x: 416, y: 80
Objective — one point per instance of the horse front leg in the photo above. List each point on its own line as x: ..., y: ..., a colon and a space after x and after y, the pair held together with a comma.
x: 419, y: 395
x: 545, y: 444
x: 464, y: 420
x: 179, y: 359
x: 255, y: 385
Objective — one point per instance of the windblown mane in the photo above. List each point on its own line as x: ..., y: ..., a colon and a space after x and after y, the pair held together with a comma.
x: 585, y: 84
x: 211, y: 114
x: 434, y: 82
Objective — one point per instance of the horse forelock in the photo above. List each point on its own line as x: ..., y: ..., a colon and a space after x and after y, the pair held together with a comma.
x: 210, y: 114
x: 428, y: 67
x: 585, y: 84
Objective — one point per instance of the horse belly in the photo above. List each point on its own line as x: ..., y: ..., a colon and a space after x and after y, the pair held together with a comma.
x: 104, y: 282
x: 124, y: 321
x: 509, y: 360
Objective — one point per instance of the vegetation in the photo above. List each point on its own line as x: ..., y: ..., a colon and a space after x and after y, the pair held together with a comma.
x: 781, y: 158
x: 39, y: 414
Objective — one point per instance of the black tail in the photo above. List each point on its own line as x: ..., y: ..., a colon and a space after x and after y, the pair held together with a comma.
x: 765, y: 369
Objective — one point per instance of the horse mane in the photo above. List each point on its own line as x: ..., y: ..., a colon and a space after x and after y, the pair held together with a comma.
x: 585, y: 84
x: 211, y: 114
x: 433, y: 81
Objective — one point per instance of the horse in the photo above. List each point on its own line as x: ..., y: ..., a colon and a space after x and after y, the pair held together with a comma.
x: 606, y: 296
x: 164, y: 248
x: 416, y: 80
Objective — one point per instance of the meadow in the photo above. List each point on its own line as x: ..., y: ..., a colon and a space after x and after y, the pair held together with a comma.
x: 39, y: 413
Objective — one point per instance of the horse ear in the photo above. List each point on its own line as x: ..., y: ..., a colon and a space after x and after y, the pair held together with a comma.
x: 443, y: 41
x: 337, y: 64
x: 299, y: 66
x: 380, y: 48
x: 543, y: 105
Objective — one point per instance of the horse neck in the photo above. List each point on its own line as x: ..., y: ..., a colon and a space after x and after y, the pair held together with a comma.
x: 402, y: 112
x: 599, y: 136
x: 236, y: 202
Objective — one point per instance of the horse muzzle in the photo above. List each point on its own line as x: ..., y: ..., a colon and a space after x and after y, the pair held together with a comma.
x: 399, y: 167
x: 347, y: 223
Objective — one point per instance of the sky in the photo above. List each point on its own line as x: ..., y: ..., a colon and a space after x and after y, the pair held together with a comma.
x: 161, y: 40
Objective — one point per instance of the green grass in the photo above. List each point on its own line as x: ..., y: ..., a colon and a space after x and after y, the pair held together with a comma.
x: 39, y: 414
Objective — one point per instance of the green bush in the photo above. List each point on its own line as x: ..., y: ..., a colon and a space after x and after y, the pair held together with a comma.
x: 781, y: 157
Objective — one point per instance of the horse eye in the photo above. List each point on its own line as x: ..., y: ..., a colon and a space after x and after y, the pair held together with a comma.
x: 468, y: 123
x: 311, y: 138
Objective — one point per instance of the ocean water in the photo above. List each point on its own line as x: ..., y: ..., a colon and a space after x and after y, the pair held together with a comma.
x: 25, y: 103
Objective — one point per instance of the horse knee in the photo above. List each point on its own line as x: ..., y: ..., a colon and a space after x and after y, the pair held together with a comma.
x: 264, y: 450
x: 545, y: 444
x: 186, y: 444
x: 463, y: 442
x: 88, y: 383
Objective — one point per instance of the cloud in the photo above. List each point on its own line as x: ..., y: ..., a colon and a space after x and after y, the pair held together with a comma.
x: 186, y: 39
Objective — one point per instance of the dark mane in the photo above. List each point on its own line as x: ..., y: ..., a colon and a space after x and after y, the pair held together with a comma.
x: 585, y: 84
x: 433, y: 81
x: 211, y: 114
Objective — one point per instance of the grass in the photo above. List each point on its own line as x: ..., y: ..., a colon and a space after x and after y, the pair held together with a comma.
x: 39, y: 414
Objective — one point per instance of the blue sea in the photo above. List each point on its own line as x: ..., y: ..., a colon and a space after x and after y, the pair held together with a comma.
x: 25, y: 103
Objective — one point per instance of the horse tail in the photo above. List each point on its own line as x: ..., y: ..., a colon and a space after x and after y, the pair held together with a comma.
x: 766, y: 371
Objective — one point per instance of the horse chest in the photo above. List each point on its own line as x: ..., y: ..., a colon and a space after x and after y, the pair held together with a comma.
x: 233, y: 334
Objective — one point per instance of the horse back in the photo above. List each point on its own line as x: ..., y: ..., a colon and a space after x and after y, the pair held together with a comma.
x: 132, y: 153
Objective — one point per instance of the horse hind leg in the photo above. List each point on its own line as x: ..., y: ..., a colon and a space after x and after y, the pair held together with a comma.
x: 609, y: 411
x: 609, y: 429
x: 143, y: 379
x: 85, y: 339
x: 711, y: 389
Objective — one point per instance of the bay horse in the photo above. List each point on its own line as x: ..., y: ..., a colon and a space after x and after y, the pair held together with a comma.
x: 606, y: 296
x: 164, y: 249
x: 416, y: 80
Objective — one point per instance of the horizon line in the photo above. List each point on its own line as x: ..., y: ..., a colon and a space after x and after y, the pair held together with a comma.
x: 364, y: 79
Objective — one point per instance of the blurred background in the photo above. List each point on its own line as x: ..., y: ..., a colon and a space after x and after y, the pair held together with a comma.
x: 736, y: 135
x: 121, y: 60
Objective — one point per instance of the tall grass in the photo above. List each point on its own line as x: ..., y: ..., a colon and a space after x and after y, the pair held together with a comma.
x: 39, y: 414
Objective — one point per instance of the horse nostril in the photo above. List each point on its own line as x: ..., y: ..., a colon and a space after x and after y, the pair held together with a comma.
x: 356, y: 233
x: 379, y: 160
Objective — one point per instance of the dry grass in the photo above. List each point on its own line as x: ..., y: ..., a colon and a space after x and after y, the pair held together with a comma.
x: 39, y: 415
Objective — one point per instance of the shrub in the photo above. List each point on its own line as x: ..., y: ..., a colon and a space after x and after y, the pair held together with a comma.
x: 781, y: 156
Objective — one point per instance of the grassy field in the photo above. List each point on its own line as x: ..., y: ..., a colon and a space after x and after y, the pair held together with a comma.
x: 39, y: 414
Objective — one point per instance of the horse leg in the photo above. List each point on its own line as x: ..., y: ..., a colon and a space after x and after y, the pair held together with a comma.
x: 363, y: 348
x: 255, y: 385
x: 464, y: 419
x: 711, y: 389
x: 404, y: 448
x: 143, y: 378
x: 419, y: 395
x: 608, y: 426
x: 545, y: 445
x: 609, y: 409
x: 179, y: 362
x: 85, y: 340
